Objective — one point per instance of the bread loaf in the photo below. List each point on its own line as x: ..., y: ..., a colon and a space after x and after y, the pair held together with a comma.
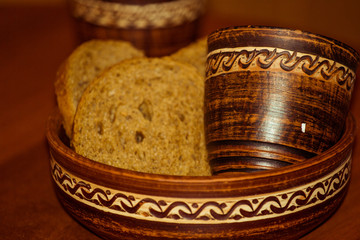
x: 144, y: 114
x: 194, y: 54
x: 81, y: 67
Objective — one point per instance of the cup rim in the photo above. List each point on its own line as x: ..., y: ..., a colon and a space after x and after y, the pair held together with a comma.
x: 355, y: 53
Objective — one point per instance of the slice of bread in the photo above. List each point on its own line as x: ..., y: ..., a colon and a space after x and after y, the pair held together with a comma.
x: 144, y: 114
x: 194, y: 54
x: 84, y: 64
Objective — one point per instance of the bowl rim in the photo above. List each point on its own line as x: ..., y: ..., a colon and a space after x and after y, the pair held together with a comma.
x: 54, y: 124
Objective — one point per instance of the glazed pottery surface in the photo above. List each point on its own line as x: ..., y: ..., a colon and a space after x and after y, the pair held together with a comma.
x: 159, y: 27
x: 274, y: 96
x: 284, y: 203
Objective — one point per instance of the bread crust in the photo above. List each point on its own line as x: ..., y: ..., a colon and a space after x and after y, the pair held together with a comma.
x: 84, y: 64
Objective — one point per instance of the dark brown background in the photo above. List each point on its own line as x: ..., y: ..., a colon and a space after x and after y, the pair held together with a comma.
x: 36, y: 36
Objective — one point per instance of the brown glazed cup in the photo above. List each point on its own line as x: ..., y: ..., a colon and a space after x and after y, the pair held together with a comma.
x: 159, y: 27
x: 274, y: 96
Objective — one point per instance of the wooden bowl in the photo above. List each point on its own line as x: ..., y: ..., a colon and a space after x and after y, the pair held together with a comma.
x: 274, y: 96
x: 283, y: 203
x: 159, y: 27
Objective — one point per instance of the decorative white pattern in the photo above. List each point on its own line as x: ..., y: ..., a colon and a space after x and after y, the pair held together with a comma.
x: 227, y: 60
x: 153, y: 15
x: 210, y: 211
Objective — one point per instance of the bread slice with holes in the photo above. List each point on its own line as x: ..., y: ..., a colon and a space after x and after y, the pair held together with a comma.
x: 84, y: 64
x: 194, y: 54
x: 144, y: 114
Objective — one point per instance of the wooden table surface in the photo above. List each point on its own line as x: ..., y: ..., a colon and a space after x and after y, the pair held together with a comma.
x: 33, y: 43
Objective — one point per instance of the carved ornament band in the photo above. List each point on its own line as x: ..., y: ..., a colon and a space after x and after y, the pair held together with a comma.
x: 195, y: 211
x: 275, y: 59
x: 132, y: 16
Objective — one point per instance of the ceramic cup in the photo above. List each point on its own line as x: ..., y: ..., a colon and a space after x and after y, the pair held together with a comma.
x: 274, y: 96
x: 159, y: 27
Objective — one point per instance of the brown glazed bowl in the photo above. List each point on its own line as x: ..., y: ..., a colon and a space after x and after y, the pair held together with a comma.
x: 159, y: 27
x: 283, y: 203
x: 274, y: 96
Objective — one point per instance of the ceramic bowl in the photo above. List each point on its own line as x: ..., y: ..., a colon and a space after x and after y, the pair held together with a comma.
x: 284, y: 203
x: 274, y: 94
x: 159, y: 27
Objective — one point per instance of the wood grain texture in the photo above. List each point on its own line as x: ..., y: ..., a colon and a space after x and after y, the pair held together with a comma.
x: 38, y: 38
x: 277, y: 87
